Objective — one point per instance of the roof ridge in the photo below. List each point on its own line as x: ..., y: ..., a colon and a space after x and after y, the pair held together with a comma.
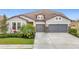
x: 47, y: 12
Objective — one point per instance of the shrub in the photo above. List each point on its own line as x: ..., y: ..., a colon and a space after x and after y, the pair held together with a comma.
x: 28, y: 31
x: 73, y: 31
x: 30, y: 35
x: 17, y: 36
x: 10, y: 35
x: 3, y: 36
x: 27, y: 28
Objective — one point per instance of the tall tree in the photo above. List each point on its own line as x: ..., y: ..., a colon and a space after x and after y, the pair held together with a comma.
x: 3, y: 24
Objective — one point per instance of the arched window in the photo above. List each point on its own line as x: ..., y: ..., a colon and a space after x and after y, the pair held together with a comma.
x: 40, y: 17
x: 58, y: 18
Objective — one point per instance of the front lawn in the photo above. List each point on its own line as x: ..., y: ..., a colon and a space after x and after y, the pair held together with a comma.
x: 78, y: 32
x: 16, y: 41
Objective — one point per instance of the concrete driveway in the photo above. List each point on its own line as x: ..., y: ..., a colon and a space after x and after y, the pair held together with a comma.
x: 56, y: 41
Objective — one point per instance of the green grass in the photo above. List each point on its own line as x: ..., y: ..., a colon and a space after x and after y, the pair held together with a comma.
x: 16, y: 41
x: 78, y: 32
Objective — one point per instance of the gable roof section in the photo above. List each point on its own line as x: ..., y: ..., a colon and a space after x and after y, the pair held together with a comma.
x: 48, y: 14
x: 18, y: 17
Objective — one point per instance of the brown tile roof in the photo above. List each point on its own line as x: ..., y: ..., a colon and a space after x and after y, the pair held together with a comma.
x: 19, y: 17
x: 47, y: 13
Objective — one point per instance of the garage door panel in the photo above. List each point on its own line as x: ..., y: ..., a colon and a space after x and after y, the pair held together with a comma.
x: 40, y: 27
x: 57, y: 28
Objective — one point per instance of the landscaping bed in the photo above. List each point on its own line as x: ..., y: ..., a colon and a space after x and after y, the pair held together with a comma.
x: 16, y: 35
x: 74, y: 32
x: 16, y: 41
x: 25, y: 35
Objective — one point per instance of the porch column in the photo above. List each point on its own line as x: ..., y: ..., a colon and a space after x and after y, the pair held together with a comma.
x: 11, y: 27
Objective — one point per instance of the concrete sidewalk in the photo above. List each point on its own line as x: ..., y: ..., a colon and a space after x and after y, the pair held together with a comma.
x: 16, y: 46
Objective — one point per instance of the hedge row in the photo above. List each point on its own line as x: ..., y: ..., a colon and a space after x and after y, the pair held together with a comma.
x: 28, y: 35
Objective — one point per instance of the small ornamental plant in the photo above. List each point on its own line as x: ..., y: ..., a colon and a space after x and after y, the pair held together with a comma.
x: 28, y: 31
x: 73, y: 31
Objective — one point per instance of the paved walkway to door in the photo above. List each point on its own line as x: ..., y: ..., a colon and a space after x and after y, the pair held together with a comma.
x: 56, y: 41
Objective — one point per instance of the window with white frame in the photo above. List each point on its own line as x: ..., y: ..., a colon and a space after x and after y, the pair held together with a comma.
x: 40, y: 17
x: 58, y: 18
x: 16, y: 25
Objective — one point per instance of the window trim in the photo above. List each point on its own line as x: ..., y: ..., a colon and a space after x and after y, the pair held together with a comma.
x: 40, y: 18
x: 58, y: 18
x: 13, y: 25
x: 17, y: 25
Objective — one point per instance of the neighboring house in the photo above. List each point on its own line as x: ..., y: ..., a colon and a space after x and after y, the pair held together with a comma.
x: 78, y: 25
x: 74, y: 25
x: 43, y: 20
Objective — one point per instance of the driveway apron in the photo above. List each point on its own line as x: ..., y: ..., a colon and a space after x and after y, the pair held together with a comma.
x: 56, y: 41
x: 42, y: 41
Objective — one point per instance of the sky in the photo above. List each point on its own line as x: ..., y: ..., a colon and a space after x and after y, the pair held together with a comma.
x: 71, y: 13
